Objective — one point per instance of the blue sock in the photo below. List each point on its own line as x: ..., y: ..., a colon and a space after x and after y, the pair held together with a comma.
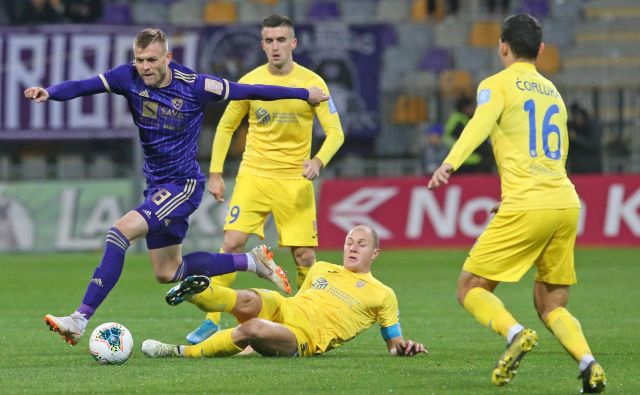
x: 107, y: 273
x: 210, y: 264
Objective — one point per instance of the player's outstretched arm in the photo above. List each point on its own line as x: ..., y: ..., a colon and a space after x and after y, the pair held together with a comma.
x: 66, y: 90
x: 239, y: 91
x: 441, y: 176
x: 405, y: 348
x: 37, y: 94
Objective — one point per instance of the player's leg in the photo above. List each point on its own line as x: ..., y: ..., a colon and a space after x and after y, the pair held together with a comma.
x: 248, y: 208
x: 128, y: 228
x: 244, y: 305
x: 556, y: 272
x: 304, y: 257
x: 294, y: 212
x: 266, y: 337
x: 503, y: 253
x: 233, y: 242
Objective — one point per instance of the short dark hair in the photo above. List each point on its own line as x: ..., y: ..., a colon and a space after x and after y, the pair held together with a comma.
x: 146, y: 37
x: 523, y: 34
x: 374, y: 235
x: 277, y: 20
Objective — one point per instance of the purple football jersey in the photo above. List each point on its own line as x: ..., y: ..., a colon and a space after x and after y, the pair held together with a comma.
x: 168, y: 119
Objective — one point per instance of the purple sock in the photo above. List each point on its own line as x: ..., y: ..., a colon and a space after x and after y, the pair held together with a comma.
x: 107, y: 273
x: 210, y: 264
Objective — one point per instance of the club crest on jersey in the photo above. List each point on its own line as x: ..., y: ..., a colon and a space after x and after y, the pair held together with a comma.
x: 177, y: 103
x: 319, y: 283
x: 263, y: 116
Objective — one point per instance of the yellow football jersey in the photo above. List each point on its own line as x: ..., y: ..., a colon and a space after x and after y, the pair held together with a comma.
x: 280, y: 131
x: 338, y: 304
x: 524, y: 115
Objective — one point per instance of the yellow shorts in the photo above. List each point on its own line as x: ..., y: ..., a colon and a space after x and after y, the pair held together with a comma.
x: 516, y: 240
x: 291, y: 201
x: 275, y: 308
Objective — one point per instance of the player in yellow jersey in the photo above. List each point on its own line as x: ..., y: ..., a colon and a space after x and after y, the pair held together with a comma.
x: 334, y: 304
x: 524, y: 115
x: 276, y: 172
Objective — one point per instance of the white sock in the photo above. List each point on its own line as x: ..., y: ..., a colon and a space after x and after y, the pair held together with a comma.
x: 585, y: 361
x: 513, y: 331
x: 251, y: 263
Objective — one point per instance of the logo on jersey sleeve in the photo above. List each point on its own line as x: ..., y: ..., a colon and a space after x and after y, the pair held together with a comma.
x: 332, y: 106
x: 484, y: 96
x: 263, y: 116
x: 149, y: 109
x: 213, y: 86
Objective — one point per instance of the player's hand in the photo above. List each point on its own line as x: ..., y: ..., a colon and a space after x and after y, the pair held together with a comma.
x: 37, y: 94
x: 316, y: 96
x: 311, y: 168
x: 409, y: 348
x: 216, y: 186
x: 495, y: 208
x: 440, y: 176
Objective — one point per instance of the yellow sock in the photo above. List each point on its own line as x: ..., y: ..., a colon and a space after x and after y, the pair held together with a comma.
x: 489, y: 310
x: 219, y: 344
x: 224, y: 280
x: 569, y: 332
x: 215, y: 299
x: 302, y: 274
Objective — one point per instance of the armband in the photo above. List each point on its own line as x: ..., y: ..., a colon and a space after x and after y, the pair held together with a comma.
x: 391, y: 331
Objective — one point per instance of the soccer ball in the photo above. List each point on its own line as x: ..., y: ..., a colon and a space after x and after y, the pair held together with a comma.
x: 111, y: 344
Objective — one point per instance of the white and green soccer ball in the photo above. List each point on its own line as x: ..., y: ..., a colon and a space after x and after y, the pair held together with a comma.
x: 111, y: 344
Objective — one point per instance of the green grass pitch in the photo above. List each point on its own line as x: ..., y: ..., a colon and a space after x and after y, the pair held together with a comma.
x: 462, y: 352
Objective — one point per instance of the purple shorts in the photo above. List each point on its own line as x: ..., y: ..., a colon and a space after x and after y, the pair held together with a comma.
x: 167, y: 208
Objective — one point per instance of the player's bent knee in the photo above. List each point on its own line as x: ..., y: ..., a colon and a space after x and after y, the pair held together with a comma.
x: 165, y: 275
x: 305, y: 257
x: 251, y: 329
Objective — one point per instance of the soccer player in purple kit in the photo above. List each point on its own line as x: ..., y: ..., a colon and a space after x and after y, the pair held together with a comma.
x: 167, y: 102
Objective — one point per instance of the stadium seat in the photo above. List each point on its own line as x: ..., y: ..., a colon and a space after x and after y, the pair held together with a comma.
x: 436, y: 60
x: 254, y: 11
x: 70, y: 167
x: 409, y: 110
x: 394, y: 11
x: 484, y: 34
x: 456, y: 83
x: 538, y: 8
x: 358, y: 11
x: 33, y: 166
x: 150, y: 12
x: 452, y: 32
x: 420, y: 10
x: 186, y: 12
x: 102, y: 167
x: 417, y: 36
x: 323, y: 10
x: 116, y: 14
x: 549, y: 61
x: 5, y: 168
x: 219, y: 12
